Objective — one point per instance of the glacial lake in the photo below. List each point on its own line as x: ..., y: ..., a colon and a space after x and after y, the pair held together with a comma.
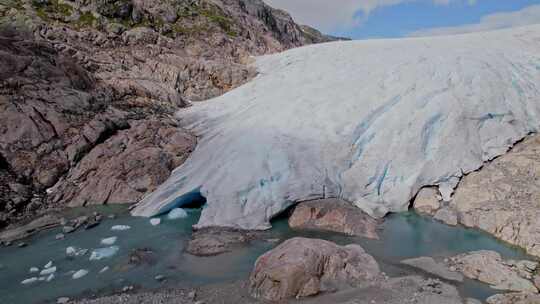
x: 402, y: 236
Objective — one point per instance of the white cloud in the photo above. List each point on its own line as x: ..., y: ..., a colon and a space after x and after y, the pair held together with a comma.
x: 527, y: 16
x: 330, y: 15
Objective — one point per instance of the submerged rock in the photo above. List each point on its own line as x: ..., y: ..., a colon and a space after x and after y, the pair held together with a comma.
x: 489, y: 267
x: 142, y: 256
x: 215, y: 241
x: 333, y: 215
x: 429, y: 265
x: 302, y: 267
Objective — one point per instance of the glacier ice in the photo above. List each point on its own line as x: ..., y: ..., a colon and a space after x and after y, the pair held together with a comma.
x: 177, y: 213
x: 103, y: 253
x: 29, y: 281
x: 109, y: 241
x: 120, y: 227
x: 155, y: 221
x: 370, y: 122
x: 79, y: 274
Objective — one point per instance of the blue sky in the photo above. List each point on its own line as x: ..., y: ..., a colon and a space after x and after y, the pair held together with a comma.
x: 362, y: 19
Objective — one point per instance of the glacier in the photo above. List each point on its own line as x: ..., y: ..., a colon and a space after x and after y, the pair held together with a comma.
x: 371, y: 122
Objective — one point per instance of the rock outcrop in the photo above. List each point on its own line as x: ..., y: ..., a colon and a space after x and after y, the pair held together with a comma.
x: 514, y: 298
x: 502, y: 198
x: 489, y: 267
x: 371, y: 122
x: 88, y: 89
x: 333, y: 215
x: 302, y: 267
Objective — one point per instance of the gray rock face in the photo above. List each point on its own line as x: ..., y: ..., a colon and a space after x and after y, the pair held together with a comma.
x: 87, y: 91
x: 302, y: 267
x: 489, y: 267
x: 333, y: 215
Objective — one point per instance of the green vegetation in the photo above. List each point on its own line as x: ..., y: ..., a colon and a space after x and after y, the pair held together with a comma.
x: 52, y: 9
x: 86, y: 19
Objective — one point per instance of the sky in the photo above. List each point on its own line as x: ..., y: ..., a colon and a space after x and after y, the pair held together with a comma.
x: 363, y: 19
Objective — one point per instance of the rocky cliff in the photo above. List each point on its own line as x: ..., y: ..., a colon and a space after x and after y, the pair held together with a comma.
x: 87, y: 89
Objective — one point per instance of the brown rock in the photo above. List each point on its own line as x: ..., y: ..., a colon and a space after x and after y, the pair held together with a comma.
x: 333, y: 215
x: 35, y: 226
x: 215, y: 241
x: 447, y: 216
x: 302, y: 267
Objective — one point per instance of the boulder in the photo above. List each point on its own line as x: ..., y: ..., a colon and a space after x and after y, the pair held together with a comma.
x: 333, y: 215
x: 302, y: 267
x: 426, y: 201
x: 489, y: 267
x: 447, y: 216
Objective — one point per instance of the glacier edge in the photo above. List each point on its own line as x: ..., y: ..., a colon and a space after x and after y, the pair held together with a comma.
x: 371, y: 122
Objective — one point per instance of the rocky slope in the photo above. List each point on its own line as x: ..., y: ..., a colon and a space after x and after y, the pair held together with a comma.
x: 87, y: 89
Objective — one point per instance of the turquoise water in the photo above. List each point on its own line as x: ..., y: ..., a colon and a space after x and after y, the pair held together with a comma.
x: 402, y: 236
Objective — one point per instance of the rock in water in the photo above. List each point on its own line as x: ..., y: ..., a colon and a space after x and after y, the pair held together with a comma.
x: 79, y: 274
x: 371, y: 122
x: 109, y: 241
x: 120, y: 227
x: 302, y: 267
x: 103, y: 253
x: 489, y: 267
x: 177, y: 213
x: 333, y: 215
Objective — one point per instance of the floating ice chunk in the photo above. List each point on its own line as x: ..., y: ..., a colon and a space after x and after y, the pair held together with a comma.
x: 34, y: 269
x: 104, y: 269
x: 48, y: 265
x: 102, y: 253
x: 48, y: 271
x: 74, y: 251
x: 155, y: 221
x: 120, y: 227
x: 79, y: 274
x: 109, y: 241
x: 177, y: 213
x: 50, y: 277
x: 29, y: 281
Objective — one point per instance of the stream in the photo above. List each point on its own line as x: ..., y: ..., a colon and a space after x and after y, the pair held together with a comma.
x: 402, y: 236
